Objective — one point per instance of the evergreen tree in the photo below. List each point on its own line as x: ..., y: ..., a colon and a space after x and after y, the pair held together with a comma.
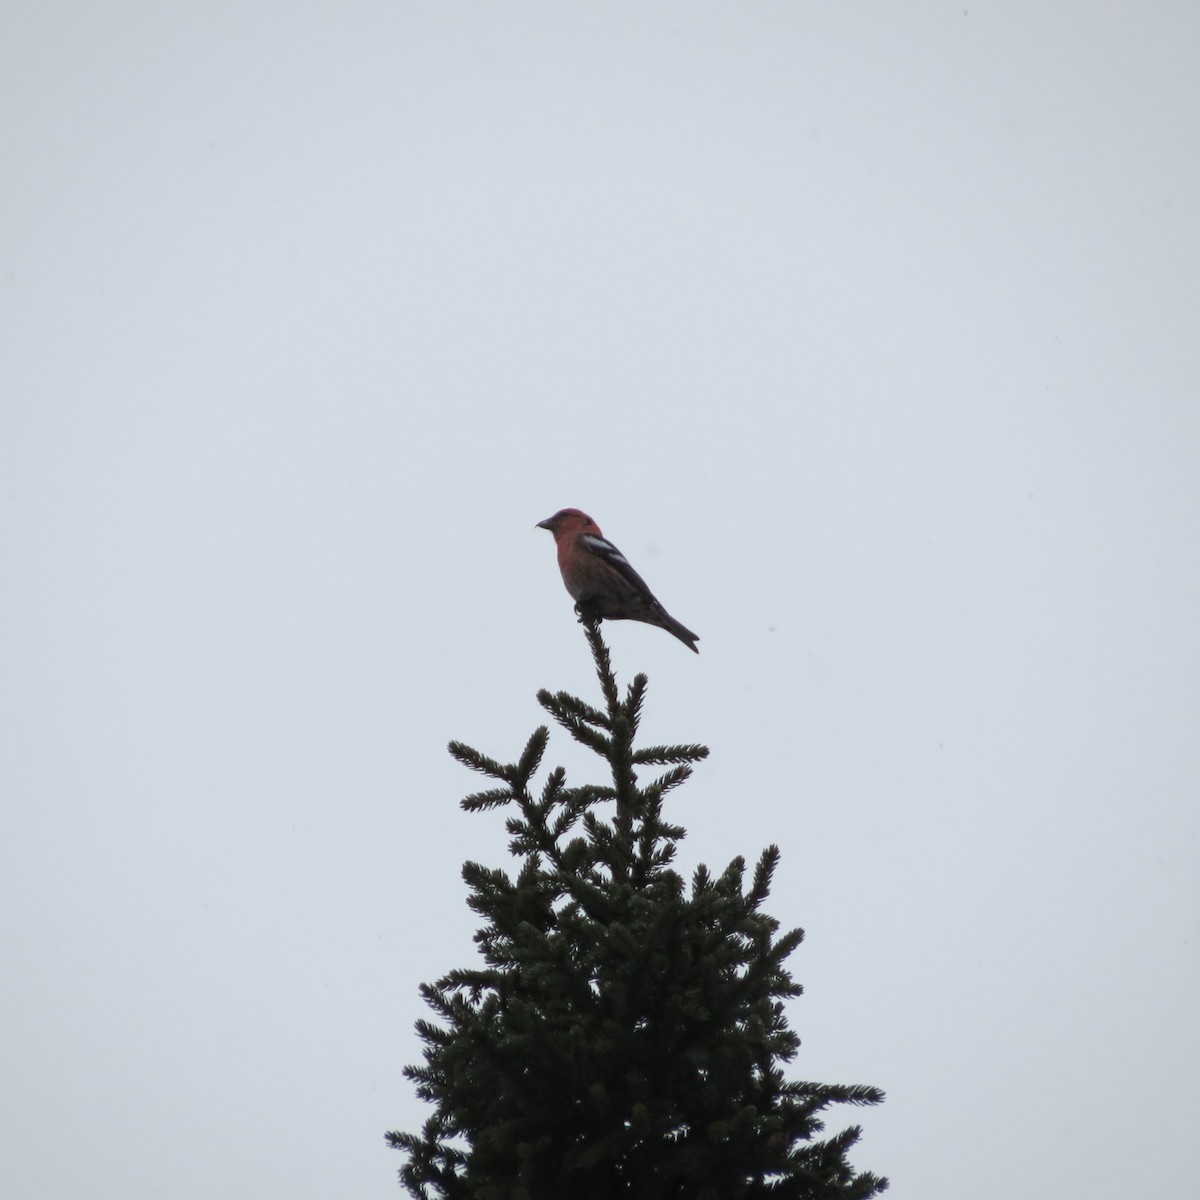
x: 626, y: 1035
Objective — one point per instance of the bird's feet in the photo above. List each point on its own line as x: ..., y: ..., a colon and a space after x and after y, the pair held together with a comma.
x: 588, y: 613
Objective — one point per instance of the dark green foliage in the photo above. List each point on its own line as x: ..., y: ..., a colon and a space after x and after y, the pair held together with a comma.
x: 625, y: 1035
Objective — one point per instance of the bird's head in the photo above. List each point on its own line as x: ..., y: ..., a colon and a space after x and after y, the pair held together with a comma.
x: 569, y: 521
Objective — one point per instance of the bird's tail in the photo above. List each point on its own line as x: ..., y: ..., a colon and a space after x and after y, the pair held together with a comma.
x: 682, y: 632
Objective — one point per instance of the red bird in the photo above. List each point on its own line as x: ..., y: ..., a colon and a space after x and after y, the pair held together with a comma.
x: 599, y: 577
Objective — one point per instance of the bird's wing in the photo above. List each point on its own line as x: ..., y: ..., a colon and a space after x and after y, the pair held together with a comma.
x: 607, y: 552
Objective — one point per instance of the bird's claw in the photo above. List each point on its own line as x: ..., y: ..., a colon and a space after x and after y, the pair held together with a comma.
x: 587, y: 613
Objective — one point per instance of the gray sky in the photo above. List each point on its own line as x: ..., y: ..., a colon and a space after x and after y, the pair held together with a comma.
x: 867, y: 331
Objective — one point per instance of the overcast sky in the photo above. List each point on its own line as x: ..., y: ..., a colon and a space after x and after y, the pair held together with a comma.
x: 869, y: 332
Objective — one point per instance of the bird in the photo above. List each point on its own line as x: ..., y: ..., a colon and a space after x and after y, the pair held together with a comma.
x: 600, y: 579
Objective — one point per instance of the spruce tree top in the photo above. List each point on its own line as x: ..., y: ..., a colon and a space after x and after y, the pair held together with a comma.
x: 625, y: 1035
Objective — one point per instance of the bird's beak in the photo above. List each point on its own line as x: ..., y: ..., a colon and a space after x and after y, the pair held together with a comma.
x: 548, y: 523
